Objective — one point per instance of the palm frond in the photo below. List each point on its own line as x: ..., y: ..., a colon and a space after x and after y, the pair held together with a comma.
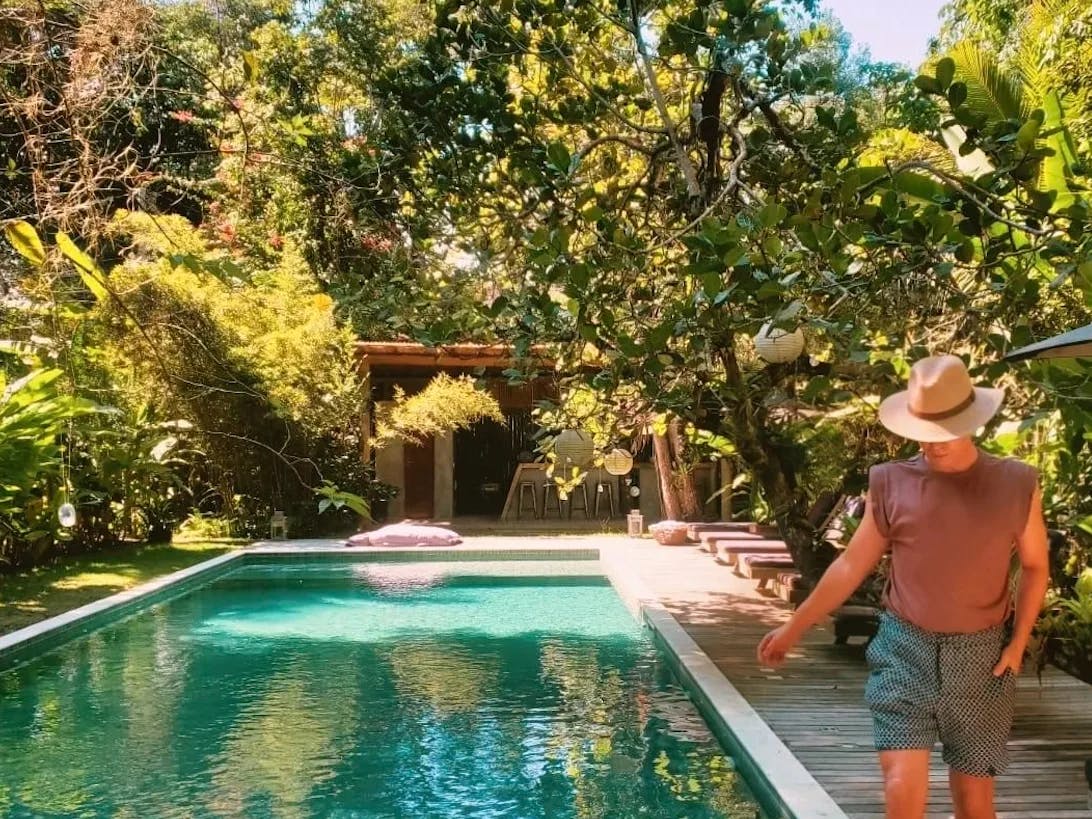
x: 1057, y: 170
x: 1044, y: 22
x: 991, y: 90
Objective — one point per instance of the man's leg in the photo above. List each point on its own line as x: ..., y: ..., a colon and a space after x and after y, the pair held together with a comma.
x: 975, y: 719
x: 972, y: 795
x: 905, y: 783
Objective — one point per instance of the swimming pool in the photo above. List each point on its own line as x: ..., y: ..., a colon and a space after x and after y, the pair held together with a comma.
x: 323, y: 689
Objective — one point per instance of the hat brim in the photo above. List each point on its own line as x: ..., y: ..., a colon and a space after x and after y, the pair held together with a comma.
x: 896, y: 416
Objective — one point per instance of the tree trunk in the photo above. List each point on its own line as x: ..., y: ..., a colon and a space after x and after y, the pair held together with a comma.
x: 689, y: 502
x: 759, y: 451
x: 662, y: 448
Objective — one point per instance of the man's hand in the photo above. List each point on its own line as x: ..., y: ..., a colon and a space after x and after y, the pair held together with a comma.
x: 1012, y: 659
x: 775, y: 645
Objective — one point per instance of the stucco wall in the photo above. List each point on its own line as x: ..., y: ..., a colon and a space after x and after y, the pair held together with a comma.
x: 444, y: 491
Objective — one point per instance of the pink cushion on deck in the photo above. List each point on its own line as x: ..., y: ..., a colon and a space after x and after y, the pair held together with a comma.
x: 407, y: 534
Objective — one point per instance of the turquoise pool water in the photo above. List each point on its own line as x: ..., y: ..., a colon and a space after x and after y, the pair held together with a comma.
x: 380, y: 690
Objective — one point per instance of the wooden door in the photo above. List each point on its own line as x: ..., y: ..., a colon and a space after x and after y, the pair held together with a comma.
x: 420, y: 479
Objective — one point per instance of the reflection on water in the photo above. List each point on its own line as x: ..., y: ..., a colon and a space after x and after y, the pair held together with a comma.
x: 326, y: 695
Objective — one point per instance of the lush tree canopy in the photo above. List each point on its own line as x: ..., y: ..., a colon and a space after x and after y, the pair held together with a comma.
x: 212, y: 200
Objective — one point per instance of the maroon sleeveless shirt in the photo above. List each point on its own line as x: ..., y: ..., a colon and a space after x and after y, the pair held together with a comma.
x: 951, y: 537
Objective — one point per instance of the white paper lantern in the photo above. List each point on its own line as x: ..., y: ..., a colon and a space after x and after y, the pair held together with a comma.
x: 618, y: 462
x: 574, y: 447
x: 67, y: 515
x: 779, y: 346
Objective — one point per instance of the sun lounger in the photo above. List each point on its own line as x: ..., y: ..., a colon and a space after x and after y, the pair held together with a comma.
x: 790, y: 587
x: 763, y: 568
x: 694, y: 531
x: 729, y: 551
x: 709, y: 540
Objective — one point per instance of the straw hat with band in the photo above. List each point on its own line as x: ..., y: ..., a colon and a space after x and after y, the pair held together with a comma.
x: 940, y: 403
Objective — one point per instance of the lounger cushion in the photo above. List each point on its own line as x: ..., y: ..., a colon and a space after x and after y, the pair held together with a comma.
x: 767, y: 561
x: 407, y: 534
x: 757, y: 547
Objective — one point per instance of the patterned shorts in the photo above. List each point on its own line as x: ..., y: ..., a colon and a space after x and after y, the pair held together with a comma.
x: 926, y: 687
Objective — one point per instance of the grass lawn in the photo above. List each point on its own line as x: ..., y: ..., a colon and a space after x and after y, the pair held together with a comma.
x: 50, y: 590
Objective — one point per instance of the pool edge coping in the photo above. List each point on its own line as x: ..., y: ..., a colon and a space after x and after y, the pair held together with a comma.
x: 22, y: 638
x: 769, y: 762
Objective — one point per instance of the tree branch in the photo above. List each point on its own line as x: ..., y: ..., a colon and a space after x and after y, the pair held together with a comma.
x: 621, y: 140
x: 690, y: 175
x: 955, y: 182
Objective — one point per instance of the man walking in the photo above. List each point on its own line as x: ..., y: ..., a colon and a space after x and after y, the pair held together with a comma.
x: 943, y: 664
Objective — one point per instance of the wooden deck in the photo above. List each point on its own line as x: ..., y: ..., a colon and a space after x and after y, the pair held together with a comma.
x: 815, y: 702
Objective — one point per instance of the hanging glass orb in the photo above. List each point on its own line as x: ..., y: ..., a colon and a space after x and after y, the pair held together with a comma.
x: 779, y: 346
x: 574, y: 448
x: 67, y: 515
x: 618, y: 462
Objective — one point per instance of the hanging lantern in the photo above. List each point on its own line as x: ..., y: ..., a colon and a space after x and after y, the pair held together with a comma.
x: 779, y: 346
x: 618, y: 462
x: 574, y: 448
x: 67, y: 515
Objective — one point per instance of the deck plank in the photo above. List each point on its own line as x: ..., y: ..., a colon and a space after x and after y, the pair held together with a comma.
x: 815, y: 702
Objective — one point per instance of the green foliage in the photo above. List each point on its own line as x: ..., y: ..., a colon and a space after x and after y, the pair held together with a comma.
x: 135, y: 464
x: 89, y: 272
x: 24, y: 238
x: 991, y: 91
x: 1066, y: 630
x: 256, y: 361
x: 34, y: 417
x: 334, y: 498
x: 198, y: 526
x: 1080, y: 605
x: 445, y: 405
x: 639, y: 189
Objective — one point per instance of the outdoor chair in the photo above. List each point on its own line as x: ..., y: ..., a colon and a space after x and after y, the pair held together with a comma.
x: 581, y: 492
x: 527, y: 490
x: 604, y: 490
x: 549, y: 490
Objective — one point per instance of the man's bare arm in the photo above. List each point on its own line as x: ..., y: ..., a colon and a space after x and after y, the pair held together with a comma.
x: 865, y: 550
x: 1034, y: 552
x: 843, y: 577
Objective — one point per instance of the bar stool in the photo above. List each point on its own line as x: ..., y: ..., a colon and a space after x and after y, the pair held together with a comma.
x: 605, y: 489
x: 581, y: 492
x: 527, y: 488
x: 549, y: 490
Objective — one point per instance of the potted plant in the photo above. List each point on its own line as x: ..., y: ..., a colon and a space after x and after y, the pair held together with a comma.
x: 379, y: 496
x: 1065, y: 630
x: 669, y: 532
